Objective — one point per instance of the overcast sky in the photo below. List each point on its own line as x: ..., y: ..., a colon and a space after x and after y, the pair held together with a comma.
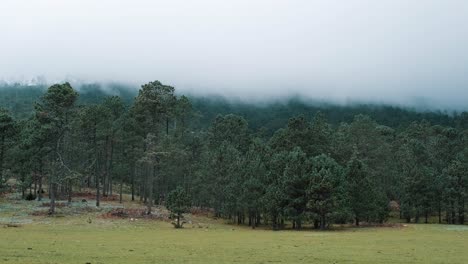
x: 397, y: 51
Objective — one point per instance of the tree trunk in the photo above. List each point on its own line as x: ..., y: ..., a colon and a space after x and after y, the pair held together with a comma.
x: 35, y: 184
x: 133, y: 182
x: 408, y: 219
x: 150, y: 189
x: 461, y: 211
x: 266, y: 220
x: 52, y: 192
x: 88, y: 181
x: 105, y: 180
x: 141, y: 193
x: 144, y: 187
x: 39, y: 193
x: 316, y: 223
x: 111, y: 161
x: 2, y: 156
x: 440, y: 212
x: 452, y: 211
x: 121, y: 188
x: 274, y: 222
x: 69, y: 191
x: 98, y: 191
x: 96, y: 168
x: 322, y: 222
x: 357, y: 221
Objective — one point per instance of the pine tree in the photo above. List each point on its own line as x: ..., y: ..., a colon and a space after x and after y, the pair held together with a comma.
x: 178, y: 202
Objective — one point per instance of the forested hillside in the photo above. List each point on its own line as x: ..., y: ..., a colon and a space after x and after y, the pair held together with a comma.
x: 271, y: 115
x: 269, y: 164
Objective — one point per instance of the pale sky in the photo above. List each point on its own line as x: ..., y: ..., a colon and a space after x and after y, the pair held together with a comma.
x: 395, y: 51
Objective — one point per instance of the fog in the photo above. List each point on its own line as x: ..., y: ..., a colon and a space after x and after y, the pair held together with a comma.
x: 391, y: 51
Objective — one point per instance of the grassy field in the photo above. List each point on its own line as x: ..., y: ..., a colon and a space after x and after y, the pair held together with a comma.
x: 72, y: 239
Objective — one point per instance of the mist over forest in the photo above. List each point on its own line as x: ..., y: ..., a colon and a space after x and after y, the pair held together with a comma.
x: 270, y: 113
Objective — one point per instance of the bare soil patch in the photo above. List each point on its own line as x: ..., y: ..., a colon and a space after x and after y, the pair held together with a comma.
x: 135, y: 213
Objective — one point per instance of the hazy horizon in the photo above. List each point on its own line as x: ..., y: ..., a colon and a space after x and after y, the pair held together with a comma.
x: 394, y: 52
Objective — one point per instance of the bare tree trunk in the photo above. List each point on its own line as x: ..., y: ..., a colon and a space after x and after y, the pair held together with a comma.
x: 274, y: 222
x: 35, y: 183
x: 133, y: 182
x: 111, y: 161
x: 299, y: 224
x: 145, y: 185
x: 149, y: 202
x: 105, y: 180
x: 52, y: 192
x: 322, y: 222
x: 88, y: 183
x: 98, y: 191
x: 440, y: 212
x: 23, y: 189
x: 69, y: 191
x: 316, y: 223
x: 96, y: 168
x: 2, y: 156
x: 121, y: 189
x: 461, y: 211
x: 452, y: 212
x: 39, y: 194
x: 141, y: 192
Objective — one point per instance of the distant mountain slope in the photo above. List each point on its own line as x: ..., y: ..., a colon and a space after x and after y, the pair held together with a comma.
x: 19, y: 99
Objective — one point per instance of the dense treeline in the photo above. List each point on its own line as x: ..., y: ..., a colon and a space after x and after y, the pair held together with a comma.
x: 312, y: 171
x: 273, y: 115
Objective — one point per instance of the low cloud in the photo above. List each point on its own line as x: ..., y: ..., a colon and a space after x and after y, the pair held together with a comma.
x: 401, y: 52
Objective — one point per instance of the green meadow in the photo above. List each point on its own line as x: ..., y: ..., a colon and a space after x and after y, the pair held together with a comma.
x: 91, y: 238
